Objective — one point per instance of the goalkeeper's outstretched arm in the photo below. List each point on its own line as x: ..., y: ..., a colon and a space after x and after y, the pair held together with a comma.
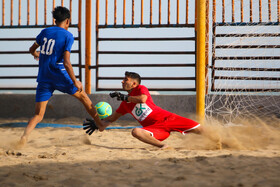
x: 90, y: 125
x: 110, y: 119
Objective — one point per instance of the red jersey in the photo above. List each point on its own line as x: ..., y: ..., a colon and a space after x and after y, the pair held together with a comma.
x: 146, y: 113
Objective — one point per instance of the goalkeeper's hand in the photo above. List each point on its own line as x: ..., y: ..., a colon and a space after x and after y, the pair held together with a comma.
x: 119, y: 96
x: 90, y: 126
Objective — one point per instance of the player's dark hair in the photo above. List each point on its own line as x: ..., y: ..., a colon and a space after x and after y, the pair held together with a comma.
x: 133, y: 75
x: 60, y: 14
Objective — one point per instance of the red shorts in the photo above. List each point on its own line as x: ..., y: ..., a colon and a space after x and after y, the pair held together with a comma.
x: 161, y: 130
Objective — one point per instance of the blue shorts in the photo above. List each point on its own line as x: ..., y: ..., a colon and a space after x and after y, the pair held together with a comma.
x: 45, y: 90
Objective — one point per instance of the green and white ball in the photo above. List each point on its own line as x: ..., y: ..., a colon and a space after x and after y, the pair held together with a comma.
x: 103, y: 109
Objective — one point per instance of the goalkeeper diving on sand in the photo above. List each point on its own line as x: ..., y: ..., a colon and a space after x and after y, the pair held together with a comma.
x: 157, y: 123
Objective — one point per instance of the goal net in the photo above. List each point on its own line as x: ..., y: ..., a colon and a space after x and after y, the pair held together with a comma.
x: 244, y: 62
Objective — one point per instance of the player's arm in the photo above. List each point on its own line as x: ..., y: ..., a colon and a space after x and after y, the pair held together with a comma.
x: 33, y: 51
x: 68, y: 66
x: 134, y: 99
x: 137, y: 99
x: 90, y: 125
x: 112, y: 118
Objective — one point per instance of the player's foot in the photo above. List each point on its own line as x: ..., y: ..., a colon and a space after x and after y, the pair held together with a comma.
x: 21, y: 143
x: 166, y: 147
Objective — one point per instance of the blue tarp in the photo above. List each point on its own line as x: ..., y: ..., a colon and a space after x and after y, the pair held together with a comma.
x: 42, y: 125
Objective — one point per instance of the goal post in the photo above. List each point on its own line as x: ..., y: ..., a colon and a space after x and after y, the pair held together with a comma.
x: 88, y: 47
x: 200, y: 59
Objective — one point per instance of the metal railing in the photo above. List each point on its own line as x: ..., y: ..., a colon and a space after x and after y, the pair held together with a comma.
x: 155, y: 9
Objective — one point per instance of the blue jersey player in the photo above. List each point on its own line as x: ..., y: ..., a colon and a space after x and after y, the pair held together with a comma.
x: 55, y: 69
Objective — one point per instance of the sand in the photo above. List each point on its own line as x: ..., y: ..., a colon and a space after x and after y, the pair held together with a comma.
x: 246, y: 154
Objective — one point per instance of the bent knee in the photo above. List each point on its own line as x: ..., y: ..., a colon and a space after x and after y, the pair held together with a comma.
x: 139, y: 132
x: 39, y: 114
x: 38, y: 117
x: 136, y: 132
x: 84, y: 96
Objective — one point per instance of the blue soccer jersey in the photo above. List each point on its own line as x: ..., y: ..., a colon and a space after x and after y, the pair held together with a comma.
x: 53, y: 41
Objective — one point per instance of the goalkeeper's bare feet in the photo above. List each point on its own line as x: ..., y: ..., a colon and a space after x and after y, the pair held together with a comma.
x: 166, y: 147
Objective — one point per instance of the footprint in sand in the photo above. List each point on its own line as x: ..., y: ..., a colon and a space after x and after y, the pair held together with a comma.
x: 51, y: 156
x: 47, y: 155
x: 13, y: 153
x: 202, y: 160
x: 35, y: 177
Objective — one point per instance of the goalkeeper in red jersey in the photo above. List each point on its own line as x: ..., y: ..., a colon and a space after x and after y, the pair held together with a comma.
x: 157, y: 123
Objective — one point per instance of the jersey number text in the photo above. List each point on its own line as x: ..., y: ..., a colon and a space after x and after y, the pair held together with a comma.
x: 47, y: 48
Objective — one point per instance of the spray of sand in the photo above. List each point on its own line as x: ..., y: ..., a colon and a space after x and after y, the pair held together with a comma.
x: 243, y: 134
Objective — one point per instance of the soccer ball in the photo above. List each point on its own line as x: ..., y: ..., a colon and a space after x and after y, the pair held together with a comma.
x: 103, y: 109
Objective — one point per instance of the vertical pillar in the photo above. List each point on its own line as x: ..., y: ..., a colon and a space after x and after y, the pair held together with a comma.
x: 207, y: 47
x: 200, y: 57
x: 3, y: 12
x: 53, y: 9
x: 88, y: 48
x: 97, y: 42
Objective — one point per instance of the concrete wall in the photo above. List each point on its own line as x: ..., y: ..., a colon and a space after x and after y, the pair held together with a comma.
x: 65, y: 106
x: 60, y: 106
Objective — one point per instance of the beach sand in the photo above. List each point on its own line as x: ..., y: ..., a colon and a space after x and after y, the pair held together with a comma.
x: 242, y: 155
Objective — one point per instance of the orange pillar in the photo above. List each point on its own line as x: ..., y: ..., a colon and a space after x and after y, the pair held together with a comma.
x: 88, y: 48
x: 200, y: 59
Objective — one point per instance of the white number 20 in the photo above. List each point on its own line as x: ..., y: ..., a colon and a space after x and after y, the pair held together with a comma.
x: 47, y: 47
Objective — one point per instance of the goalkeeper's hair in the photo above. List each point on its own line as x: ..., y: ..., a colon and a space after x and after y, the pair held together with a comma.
x: 133, y: 75
x: 60, y: 14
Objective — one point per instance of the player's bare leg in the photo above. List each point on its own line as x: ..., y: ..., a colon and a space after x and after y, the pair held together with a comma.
x: 40, y: 108
x: 83, y: 97
x: 146, y: 137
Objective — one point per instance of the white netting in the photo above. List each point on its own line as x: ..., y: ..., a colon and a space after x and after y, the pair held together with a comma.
x: 244, y: 73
